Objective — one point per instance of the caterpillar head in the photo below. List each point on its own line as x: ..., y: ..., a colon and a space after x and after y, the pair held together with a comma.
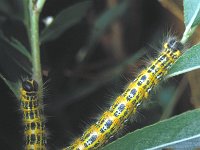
x: 174, y: 47
x: 30, y: 85
x: 174, y: 44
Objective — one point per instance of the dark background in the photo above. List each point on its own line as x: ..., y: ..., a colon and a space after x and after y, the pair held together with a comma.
x: 77, y: 92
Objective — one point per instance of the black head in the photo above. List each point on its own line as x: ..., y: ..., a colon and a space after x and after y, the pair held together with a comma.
x: 30, y: 85
x: 174, y: 44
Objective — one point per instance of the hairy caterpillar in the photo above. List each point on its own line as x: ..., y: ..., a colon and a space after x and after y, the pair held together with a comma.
x: 35, y: 135
x: 128, y: 102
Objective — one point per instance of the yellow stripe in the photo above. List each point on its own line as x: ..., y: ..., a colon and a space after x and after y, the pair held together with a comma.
x: 127, y: 103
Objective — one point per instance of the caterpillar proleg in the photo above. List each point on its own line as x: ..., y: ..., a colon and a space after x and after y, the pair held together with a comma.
x: 34, y: 132
x: 128, y: 102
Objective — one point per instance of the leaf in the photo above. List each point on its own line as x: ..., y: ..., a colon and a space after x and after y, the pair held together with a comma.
x: 9, y: 47
x: 184, y: 127
x: 100, y: 26
x: 189, y: 61
x: 17, y: 45
x: 12, y: 85
x: 74, y: 93
x: 21, y: 48
x: 191, y: 12
x: 5, y: 7
x: 64, y: 20
x: 13, y: 9
x: 25, y: 6
x: 107, y: 18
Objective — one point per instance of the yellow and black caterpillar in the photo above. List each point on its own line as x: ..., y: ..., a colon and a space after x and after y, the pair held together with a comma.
x: 128, y: 102
x: 34, y: 132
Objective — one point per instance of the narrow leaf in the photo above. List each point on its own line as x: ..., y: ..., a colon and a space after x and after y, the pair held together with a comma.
x: 12, y: 85
x: 189, y: 61
x: 83, y: 89
x: 5, y: 7
x: 64, y: 20
x: 17, y: 45
x: 25, y: 13
x: 9, y: 47
x: 165, y: 134
x: 107, y: 18
x: 191, y: 12
x: 100, y: 26
x: 21, y: 48
x: 25, y: 68
x: 13, y: 9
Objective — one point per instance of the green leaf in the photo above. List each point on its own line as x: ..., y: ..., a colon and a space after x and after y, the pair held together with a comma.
x: 21, y: 48
x: 81, y: 89
x: 12, y: 85
x: 13, y: 9
x: 191, y: 12
x: 107, y: 18
x: 25, y: 68
x: 11, y: 46
x: 100, y: 26
x: 64, y: 20
x: 26, y: 13
x: 5, y: 7
x: 189, y: 61
x: 179, y: 129
x: 17, y: 45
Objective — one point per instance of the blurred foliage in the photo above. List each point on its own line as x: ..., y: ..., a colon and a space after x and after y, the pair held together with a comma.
x: 189, y: 61
x: 191, y: 12
x: 64, y: 20
x: 174, y: 133
x: 79, y: 62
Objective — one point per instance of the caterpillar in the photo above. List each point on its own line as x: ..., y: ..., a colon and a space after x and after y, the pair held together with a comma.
x: 34, y: 132
x: 128, y: 102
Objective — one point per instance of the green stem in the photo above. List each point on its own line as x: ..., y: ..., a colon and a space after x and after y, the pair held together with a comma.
x: 35, y: 7
x: 34, y: 39
x: 40, y: 4
x: 187, y: 34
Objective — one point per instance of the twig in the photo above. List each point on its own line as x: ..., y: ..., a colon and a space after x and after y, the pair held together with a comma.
x: 35, y: 7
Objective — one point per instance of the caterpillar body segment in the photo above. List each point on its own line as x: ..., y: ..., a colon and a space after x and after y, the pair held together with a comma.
x: 128, y: 102
x: 34, y: 132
